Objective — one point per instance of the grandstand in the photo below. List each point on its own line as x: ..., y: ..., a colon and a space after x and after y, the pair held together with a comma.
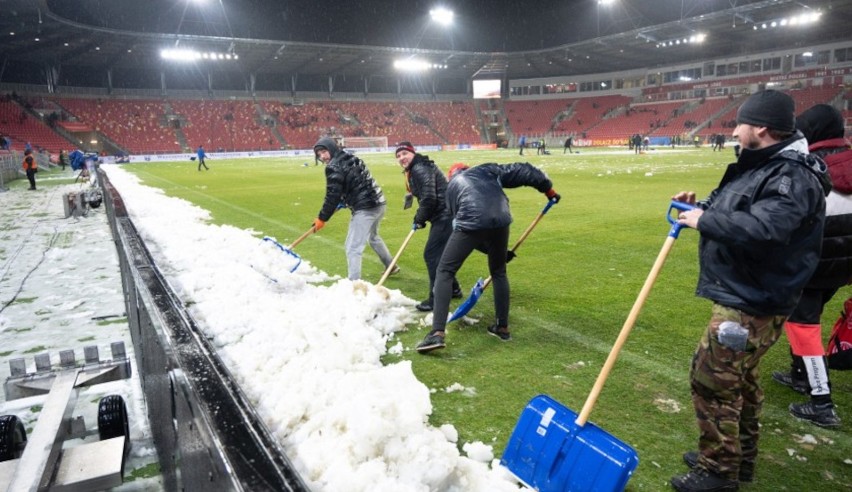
x: 163, y: 126
x: 145, y: 107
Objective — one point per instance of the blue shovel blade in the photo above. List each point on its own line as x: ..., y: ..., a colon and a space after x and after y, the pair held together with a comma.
x: 549, y: 452
x: 468, y: 303
x: 287, y: 251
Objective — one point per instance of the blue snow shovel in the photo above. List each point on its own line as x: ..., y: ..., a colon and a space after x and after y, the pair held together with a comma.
x: 479, y: 287
x: 554, y: 449
x: 289, y: 250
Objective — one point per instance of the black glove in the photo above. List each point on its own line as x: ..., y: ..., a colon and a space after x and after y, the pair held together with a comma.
x: 419, y: 225
x: 510, y: 255
x: 407, y: 201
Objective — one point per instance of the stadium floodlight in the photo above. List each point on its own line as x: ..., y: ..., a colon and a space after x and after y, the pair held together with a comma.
x: 411, y: 65
x: 796, y: 20
x: 180, y: 54
x: 190, y: 55
x: 442, y: 16
x: 694, y: 39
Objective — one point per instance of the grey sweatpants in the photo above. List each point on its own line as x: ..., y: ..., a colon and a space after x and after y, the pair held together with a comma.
x: 364, y: 227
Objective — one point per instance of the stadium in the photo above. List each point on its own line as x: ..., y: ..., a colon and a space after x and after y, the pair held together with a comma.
x: 254, y: 368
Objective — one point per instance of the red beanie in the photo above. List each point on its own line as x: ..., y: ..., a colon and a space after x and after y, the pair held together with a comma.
x: 455, y: 168
x: 404, y: 146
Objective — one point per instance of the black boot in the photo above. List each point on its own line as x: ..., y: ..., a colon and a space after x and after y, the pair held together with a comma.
x: 701, y: 480
x: 797, y: 378
x: 425, y: 306
x: 746, y: 469
x: 816, y: 412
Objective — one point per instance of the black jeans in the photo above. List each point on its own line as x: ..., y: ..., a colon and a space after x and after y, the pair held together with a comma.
x: 439, y: 234
x: 459, y: 247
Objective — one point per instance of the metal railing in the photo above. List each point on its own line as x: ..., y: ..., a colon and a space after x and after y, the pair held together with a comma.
x: 208, y: 436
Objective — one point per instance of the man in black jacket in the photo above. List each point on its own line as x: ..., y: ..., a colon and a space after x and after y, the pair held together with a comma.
x: 481, y: 219
x: 760, y: 230
x: 427, y: 183
x: 348, y: 182
x: 822, y: 125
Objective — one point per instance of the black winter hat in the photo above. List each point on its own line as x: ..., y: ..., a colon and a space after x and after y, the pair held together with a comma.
x: 820, y: 122
x: 769, y: 108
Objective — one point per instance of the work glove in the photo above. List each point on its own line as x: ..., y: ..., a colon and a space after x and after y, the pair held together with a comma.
x: 318, y: 224
x: 552, y: 195
x: 419, y: 225
x: 510, y: 255
x: 407, y: 201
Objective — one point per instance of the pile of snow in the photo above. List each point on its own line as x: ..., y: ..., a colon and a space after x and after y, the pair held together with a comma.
x: 308, y: 355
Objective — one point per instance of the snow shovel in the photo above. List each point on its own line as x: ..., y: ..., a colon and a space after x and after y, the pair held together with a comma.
x: 395, y: 258
x: 480, y: 286
x: 553, y: 449
x: 289, y: 250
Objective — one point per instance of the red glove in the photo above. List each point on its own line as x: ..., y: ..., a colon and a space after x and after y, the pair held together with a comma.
x: 552, y: 195
x: 318, y: 224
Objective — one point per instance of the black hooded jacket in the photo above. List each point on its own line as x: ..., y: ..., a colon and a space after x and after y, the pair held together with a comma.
x: 761, y: 231
x: 428, y: 184
x: 347, y: 181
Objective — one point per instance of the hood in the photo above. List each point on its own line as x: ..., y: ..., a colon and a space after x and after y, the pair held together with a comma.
x: 329, y: 144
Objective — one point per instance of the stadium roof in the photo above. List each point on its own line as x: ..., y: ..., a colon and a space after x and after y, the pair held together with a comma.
x: 97, y: 35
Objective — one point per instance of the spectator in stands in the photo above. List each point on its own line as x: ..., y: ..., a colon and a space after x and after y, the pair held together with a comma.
x: 481, y: 219
x: 30, y: 166
x: 28, y: 146
x: 822, y: 126
x: 201, y: 155
x: 760, y: 234
x: 424, y: 181
x: 348, y: 182
x: 522, y: 142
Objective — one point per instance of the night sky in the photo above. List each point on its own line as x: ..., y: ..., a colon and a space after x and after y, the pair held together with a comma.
x: 481, y: 25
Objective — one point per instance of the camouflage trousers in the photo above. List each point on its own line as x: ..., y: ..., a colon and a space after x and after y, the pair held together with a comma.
x: 726, y: 391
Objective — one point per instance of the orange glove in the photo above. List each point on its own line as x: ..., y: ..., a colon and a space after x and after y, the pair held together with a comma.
x: 318, y: 224
x: 552, y: 195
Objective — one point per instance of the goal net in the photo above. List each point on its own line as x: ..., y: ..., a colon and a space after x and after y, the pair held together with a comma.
x: 372, y: 143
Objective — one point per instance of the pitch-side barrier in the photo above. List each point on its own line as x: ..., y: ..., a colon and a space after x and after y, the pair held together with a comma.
x: 207, y: 434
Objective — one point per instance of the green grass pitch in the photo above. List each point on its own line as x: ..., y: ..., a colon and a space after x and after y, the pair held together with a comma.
x: 573, y: 284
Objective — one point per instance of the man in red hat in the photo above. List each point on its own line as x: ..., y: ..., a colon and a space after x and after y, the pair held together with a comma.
x: 481, y: 219
x: 823, y: 127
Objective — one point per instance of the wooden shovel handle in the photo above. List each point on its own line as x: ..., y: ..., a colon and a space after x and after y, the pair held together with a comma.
x: 523, y: 237
x: 625, y: 331
x: 395, y: 258
x: 302, y: 237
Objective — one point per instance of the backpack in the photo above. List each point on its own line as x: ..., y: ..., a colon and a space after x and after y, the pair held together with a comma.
x: 839, y: 350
